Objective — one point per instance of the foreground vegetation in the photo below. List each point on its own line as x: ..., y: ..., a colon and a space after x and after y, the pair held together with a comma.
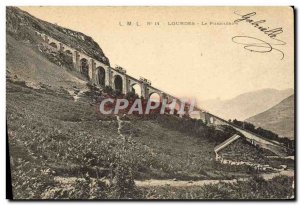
x: 52, y: 136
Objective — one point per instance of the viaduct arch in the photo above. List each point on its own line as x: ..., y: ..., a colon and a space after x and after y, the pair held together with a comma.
x: 118, y: 83
x: 100, y: 76
x: 84, y: 67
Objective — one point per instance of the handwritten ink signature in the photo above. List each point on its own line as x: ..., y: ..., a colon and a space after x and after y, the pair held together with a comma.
x: 254, y: 44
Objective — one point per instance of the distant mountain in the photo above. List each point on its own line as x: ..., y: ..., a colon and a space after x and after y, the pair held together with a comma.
x: 278, y: 119
x: 246, y: 105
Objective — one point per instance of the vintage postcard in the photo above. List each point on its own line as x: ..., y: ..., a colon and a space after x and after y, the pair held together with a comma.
x: 150, y: 103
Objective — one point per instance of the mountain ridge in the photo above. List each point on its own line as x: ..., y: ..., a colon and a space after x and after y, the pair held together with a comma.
x: 247, y: 104
x: 21, y: 24
x: 279, y: 118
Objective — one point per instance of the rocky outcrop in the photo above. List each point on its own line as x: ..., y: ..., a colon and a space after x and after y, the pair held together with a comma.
x: 22, y: 26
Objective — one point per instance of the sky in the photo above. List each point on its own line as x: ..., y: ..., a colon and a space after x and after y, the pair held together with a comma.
x: 196, y: 61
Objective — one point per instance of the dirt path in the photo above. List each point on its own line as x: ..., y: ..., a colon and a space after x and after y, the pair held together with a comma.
x: 156, y: 182
x: 173, y: 183
x: 152, y: 182
x: 289, y: 173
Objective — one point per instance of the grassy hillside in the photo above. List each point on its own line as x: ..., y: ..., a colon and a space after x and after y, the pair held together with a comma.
x: 279, y: 119
x: 34, y: 68
x: 49, y: 132
x: 45, y: 120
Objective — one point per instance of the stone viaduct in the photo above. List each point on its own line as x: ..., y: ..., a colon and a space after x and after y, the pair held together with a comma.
x: 101, y: 74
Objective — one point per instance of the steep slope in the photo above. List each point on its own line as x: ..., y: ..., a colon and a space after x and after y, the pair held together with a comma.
x: 25, y: 63
x: 279, y: 119
x: 21, y: 25
x: 28, y: 60
x: 246, y: 105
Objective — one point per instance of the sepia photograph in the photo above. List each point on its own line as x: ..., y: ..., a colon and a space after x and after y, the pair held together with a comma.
x: 150, y: 103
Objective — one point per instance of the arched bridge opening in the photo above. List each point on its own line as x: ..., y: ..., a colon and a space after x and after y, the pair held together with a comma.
x: 136, y: 89
x: 84, y: 67
x: 101, y: 76
x: 118, y: 84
